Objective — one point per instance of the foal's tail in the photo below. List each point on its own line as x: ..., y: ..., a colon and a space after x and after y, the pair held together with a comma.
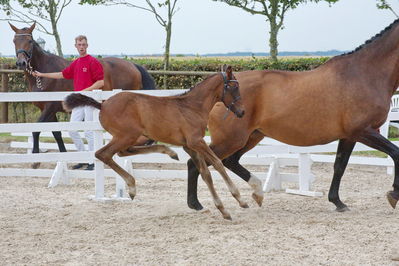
x: 77, y: 100
x: 147, y: 80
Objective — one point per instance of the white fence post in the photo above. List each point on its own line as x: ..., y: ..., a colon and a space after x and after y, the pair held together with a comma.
x: 98, y: 143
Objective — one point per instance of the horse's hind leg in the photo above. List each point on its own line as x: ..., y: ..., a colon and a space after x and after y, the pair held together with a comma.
x: 344, y: 151
x: 105, y: 155
x: 211, y: 157
x: 157, y: 148
x: 206, y: 176
x: 232, y: 163
x: 375, y: 140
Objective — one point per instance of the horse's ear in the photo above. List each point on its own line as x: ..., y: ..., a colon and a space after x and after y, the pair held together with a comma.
x: 15, y: 29
x: 229, y: 72
x: 32, y: 27
x: 223, y: 68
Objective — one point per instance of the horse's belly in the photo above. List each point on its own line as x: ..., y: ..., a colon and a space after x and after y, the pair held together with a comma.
x: 302, y: 135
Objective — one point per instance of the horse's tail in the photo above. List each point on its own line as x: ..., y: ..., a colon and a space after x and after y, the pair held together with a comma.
x: 77, y: 99
x: 146, y: 79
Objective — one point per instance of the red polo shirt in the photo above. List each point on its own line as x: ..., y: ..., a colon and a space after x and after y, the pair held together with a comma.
x: 84, y: 71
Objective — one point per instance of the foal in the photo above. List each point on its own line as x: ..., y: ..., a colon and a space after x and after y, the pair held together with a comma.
x: 179, y: 120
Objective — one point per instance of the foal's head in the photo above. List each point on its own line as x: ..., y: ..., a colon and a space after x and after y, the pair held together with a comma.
x: 231, y: 92
x: 24, y: 43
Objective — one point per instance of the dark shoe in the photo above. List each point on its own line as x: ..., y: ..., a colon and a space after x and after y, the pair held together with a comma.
x: 90, y: 167
x: 79, y: 165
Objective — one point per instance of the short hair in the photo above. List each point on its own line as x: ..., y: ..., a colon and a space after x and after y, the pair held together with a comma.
x: 80, y: 38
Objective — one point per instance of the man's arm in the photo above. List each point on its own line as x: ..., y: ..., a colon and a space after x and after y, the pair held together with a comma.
x: 96, y: 85
x: 54, y: 75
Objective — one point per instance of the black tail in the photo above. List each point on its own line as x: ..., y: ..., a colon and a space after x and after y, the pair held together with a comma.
x: 146, y: 79
x: 77, y: 99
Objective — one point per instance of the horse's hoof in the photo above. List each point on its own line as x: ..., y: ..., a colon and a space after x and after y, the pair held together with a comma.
x: 35, y: 165
x: 342, y: 209
x: 195, y: 205
x: 392, y: 198
x: 244, y: 205
x: 258, y: 199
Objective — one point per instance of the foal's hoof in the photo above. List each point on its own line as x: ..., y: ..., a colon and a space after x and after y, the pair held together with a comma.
x: 132, y: 196
x: 227, y: 217
x: 392, y: 198
x: 244, y: 205
x: 35, y: 165
x: 258, y: 199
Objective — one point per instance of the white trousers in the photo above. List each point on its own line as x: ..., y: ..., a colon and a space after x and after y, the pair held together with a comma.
x: 79, y: 114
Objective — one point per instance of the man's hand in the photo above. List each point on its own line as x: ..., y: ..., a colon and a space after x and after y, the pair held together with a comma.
x: 37, y: 74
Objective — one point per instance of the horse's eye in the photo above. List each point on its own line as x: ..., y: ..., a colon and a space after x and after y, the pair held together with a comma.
x: 30, y: 41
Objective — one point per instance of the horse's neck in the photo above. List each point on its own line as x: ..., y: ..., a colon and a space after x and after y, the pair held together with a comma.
x: 205, y: 95
x: 379, y: 60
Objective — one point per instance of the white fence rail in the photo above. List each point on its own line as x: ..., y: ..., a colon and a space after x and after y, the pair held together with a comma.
x: 268, y: 152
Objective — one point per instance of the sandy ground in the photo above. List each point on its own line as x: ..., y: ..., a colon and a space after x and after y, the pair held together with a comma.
x: 61, y: 226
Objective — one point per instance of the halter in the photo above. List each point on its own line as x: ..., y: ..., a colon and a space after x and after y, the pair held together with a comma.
x: 28, y: 54
x: 227, y: 86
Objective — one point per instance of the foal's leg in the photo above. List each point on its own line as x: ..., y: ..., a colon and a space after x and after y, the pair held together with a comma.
x: 344, y: 151
x: 105, y: 155
x: 156, y: 148
x: 375, y: 140
x: 203, y: 149
x: 206, y: 176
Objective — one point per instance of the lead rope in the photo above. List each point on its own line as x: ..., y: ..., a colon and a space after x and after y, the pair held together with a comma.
x: 38, y: 80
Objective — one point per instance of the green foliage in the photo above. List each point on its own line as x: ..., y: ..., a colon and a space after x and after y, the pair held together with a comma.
x: 212, y: 64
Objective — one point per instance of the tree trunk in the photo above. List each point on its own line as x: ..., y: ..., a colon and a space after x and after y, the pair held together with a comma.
x: 53, y: 13
x: 168, y: 29
x: 273, y: 43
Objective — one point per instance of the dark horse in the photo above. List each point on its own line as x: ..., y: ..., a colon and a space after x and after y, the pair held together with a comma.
x: 178, y: 120
x: 118, y: 74
x: 346, y: 99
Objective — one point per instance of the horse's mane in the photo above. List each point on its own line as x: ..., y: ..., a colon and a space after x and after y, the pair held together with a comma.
x: 372, y: 39
x: 190, y: 89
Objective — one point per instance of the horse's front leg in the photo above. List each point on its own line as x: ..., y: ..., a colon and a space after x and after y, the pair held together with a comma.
x: 375, y: 140
x: 48, y: 115
x: 344, y: 151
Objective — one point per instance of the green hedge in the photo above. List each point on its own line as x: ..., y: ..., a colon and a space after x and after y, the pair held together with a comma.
x: 27, y: 112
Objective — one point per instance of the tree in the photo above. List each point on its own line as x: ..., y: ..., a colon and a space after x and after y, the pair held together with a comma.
x: 156, y: 9
x: 274, y: 11
x: 42, y: 12
x: 384, y: 4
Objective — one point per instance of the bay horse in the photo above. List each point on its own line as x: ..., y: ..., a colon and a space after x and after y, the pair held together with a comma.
x: 178, y: 120
x: 118, y: 74
x: 346, y: 99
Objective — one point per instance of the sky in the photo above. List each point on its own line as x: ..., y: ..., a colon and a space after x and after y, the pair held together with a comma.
x: 205, y: 26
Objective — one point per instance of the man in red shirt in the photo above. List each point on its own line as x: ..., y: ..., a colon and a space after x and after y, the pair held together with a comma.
x: 87, y: 74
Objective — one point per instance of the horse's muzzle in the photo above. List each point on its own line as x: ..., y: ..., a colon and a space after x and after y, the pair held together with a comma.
x: 21, y: 64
